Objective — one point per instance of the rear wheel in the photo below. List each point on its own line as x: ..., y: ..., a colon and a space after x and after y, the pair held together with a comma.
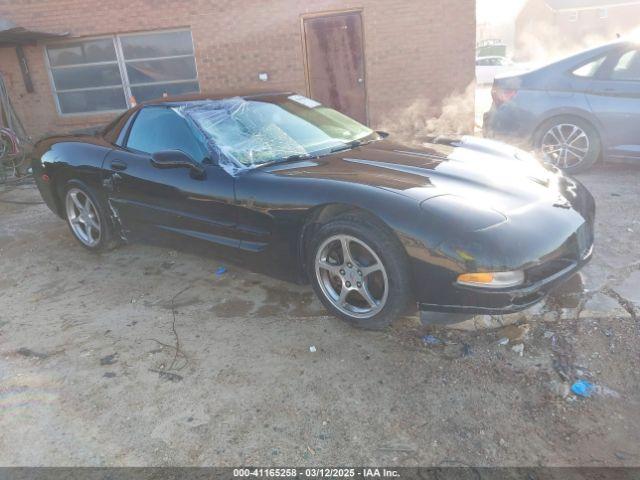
x: 569, y: 143
x: 359, y: 272
x: 87, y: 218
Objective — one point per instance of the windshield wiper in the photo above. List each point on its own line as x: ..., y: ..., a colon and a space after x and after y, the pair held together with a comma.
x: 305, y: 156
x: 291, y: 158
x: 347, y: 146
x: 353, y: 144
x: 296, y: 157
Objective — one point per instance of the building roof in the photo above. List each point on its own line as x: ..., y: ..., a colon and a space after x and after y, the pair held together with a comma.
x: 587, y: 4
x: 11, y: 34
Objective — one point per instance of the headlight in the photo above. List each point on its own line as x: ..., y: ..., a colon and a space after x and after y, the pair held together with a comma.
x: 492, y: 279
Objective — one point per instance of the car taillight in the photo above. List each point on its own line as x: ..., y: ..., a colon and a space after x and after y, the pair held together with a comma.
x: 502, y: 95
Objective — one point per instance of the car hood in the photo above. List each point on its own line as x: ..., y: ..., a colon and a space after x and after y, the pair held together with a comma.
x: 492, y: 174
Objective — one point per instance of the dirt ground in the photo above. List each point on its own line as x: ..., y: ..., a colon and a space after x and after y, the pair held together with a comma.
x: 89, y: 372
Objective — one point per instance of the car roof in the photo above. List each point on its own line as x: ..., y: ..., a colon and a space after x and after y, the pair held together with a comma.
x: 112, y: 130
x: 601, y: 49
x: 569, y: 61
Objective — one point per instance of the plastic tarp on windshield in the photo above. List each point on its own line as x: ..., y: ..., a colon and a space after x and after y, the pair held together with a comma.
x: 240, y: 133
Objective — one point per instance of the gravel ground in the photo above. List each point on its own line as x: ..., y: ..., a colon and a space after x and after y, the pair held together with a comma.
x: 90, y: 374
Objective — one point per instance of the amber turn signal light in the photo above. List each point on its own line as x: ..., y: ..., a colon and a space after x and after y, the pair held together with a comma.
x: 476, y: 278
x: 492, y: 279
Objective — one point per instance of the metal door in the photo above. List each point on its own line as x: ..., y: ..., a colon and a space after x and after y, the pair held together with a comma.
x: 335, y: 62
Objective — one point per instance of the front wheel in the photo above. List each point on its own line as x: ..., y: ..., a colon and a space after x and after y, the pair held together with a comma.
x: 359, y: 272
x: 569, y: 143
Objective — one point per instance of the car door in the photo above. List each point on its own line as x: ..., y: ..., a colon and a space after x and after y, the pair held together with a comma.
x: 197, y: 204
x: 614, y: 97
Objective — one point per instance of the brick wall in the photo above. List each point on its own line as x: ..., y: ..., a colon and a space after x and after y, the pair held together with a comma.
x: 414, y: 49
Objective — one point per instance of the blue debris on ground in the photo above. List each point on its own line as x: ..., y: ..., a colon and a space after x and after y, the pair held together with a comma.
x: 431, y: 340
x: 221, y: 271
x: 582, y: 388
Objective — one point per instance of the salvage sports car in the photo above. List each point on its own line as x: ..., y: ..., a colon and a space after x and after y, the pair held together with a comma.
x: 462, y: 226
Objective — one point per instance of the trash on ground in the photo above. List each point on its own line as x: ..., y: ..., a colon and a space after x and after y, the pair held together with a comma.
x: 109, y: 359
x: 581, y: 372
x: 606, y: 392
x: 312, y: 349
x: 562, y: 368
x: 561, y: 389
x: 519, y: 349
x: 582, y: 388
x: 586, y: 389
x: 503, y: 341
x: 515, y: 333
x: 27, y: 352
x: 221, y: 271
x: 169, y: 376
x: 431, y: 340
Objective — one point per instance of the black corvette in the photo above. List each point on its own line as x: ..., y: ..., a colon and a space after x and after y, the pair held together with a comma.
x: 458, y: 226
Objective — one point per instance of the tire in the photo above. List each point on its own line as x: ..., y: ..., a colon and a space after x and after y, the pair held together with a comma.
x: 87, y: 217
x: 389, y: 288
x: 573, y: 151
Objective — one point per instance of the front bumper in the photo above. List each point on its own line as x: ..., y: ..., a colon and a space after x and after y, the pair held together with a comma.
x: 483, y: 301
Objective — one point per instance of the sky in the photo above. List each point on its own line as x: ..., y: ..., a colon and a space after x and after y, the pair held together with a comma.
x: 498, y: 11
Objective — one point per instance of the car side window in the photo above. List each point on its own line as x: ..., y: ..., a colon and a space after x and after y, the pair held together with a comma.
x: 157, y: 128
x: 628, y: 67
x: 588, y: 70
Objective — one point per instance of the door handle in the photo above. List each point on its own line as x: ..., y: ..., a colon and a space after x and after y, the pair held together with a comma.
x: 118, y: 165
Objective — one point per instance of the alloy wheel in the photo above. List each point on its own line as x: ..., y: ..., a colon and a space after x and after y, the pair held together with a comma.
x: 351, y: 276
x: 83, y: 217
x: 565, y: 145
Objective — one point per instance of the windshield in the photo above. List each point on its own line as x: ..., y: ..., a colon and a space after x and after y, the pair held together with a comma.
x: 250, y: 133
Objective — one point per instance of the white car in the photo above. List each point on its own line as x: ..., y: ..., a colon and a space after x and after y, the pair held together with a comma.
x: 488, y: 68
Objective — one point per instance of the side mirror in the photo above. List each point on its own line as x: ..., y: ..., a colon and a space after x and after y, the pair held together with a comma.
x: 175, y: 159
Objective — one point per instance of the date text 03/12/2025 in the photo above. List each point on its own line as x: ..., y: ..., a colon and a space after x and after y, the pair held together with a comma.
x: 316, y: 472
